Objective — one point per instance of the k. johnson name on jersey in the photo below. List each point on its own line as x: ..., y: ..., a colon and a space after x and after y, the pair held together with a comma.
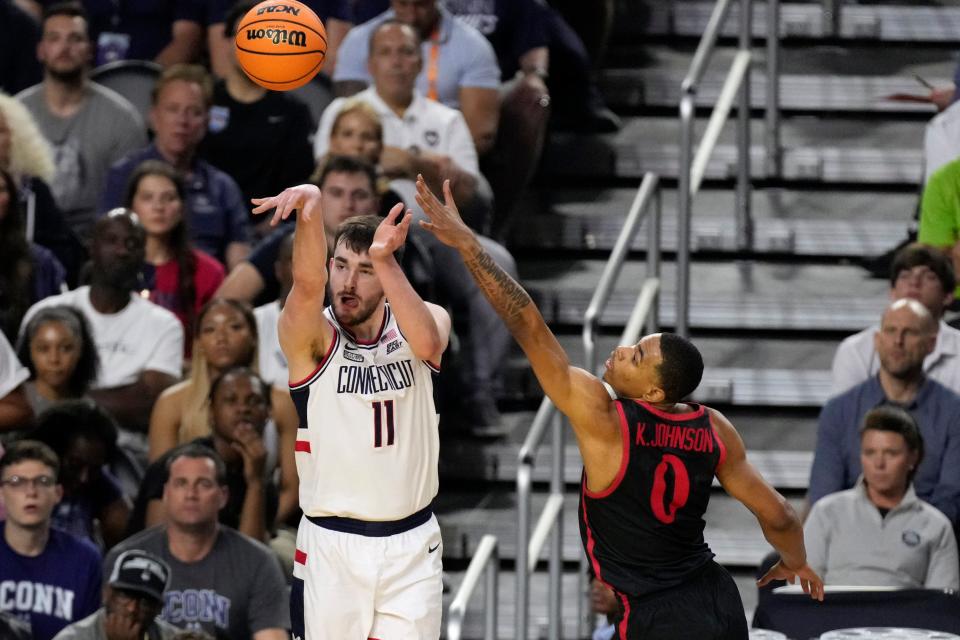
x: 674, y: 437
x: 371, y: 379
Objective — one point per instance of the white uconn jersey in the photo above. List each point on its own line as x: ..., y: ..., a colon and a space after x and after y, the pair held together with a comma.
x: 367, y: 446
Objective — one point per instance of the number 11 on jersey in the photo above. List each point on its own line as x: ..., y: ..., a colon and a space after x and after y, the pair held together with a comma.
x: 382, y: 414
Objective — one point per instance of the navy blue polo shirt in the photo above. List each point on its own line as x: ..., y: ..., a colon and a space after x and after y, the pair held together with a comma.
x: 513, y: 27
x: 216, y: 214
x: 836, y: 462
x: 339, y: 9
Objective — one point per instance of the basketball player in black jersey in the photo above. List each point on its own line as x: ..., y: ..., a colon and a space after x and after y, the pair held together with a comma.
x: 649, y: 460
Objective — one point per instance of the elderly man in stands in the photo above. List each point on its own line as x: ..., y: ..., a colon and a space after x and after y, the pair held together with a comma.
x: 907, y: 335
x: 218, y: 219
x: 879, y: 533
x: 919, y: 273
x: 140, y: 344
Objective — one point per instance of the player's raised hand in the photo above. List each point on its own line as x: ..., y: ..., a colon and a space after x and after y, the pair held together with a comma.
x: 390, y: 234
x: 445, y: 221
x: 305, y: 197
x: 810, y: 582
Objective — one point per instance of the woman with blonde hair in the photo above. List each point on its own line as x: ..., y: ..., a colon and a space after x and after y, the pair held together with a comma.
x: 27, y: 156
x: 225, y: 337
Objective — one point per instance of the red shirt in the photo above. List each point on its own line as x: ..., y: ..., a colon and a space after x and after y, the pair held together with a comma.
x: 164, y: 290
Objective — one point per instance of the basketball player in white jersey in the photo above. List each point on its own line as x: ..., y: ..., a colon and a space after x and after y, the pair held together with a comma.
x: 368, y: 547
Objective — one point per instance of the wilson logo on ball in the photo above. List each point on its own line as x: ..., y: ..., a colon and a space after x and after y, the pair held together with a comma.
x: 293, y: 38
x: 278, y: 8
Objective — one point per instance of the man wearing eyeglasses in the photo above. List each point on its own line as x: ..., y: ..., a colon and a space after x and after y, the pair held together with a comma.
x: 48, y: 578
x: 132, y: 601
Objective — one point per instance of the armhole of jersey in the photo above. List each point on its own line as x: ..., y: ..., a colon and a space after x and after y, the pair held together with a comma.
x: 322, y: 365
x: 433, y: 367
x: 624, y: 459
x: 720, y: 445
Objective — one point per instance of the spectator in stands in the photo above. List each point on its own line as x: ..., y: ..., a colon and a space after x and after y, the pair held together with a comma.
x: 879, y: 533
x: 239, y: 411
x: 132, y: 600
x: 906, y: 336
x: 58, y: 349
x: 15, y: 411
x: 272, y: 362
x: 54, y: 576
x: 420, y: 136
x: 26, y: 155
x: 218, y: 219
x: 919, y: 273
x: 166, y: 31
x: 84, y: 437
x: 336, y: 15
x: 940, y: 213
x: 259, y: 137
x: 28, y: 272
x: 89, y: 126
x: 240, y: 577
x: 19, y: 35
x: 460, y: 67
x: 140, y: 344
x: 226, y: 338
x: 178, y: 277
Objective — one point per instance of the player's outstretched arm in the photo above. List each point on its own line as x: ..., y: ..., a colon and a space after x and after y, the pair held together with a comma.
x: 579, y: 395
x: 425, y: 326
x: 781, y: 526
x: 304, y: 335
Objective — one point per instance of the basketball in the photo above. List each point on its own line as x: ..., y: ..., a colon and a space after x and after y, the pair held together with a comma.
x: 281, y: 44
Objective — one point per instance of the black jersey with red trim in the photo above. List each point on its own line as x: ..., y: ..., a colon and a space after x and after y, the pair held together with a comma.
x: 644, y: 533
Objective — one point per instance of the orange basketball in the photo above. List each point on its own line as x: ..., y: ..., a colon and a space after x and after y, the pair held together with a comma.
x: 281, y: 44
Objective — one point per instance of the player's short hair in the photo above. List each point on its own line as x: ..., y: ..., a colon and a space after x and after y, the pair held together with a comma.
x: 888, y: 417
x: 348, y: 164
x: 197, y: 451
x: 69, y: 420
x: 357, y: 234
x: 681, y: 367
x: 24, y: 450
x: 241, y: 371
x: 69, y: 8
x: 393, y: 22
x: 235, y: 14
x: 918, y: 255
x: 193, y: 73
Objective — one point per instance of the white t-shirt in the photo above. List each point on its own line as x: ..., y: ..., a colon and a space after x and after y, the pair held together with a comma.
x: 141, y: 337
x: 426, y: 125
x: 273, y: 364
x: 12, y: 373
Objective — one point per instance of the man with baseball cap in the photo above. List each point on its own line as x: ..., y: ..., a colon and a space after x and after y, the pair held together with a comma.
x: 132, y: 598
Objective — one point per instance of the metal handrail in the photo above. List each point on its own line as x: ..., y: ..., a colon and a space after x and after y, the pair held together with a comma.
x: 486, y: 559
x: 692, y: 169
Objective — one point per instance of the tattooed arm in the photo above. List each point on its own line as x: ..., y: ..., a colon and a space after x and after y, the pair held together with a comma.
x: 579, y: 395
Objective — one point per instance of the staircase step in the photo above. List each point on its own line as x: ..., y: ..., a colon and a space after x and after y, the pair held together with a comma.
x: 828, y: 150
x: 825, y: 78
x: 907, y: 22
x: 728, y: 295
x: 787, y: 221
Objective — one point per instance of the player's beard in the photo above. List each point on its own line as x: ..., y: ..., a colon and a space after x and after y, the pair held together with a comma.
x: 363, y: 313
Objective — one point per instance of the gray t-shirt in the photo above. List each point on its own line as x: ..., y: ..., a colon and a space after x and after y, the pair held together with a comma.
x: 91, y: 628
x: 106, y: 128
x: 235, y: 591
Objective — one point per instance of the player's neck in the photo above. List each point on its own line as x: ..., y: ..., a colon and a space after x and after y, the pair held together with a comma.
x: 369, y: 328
x: 26, y: 541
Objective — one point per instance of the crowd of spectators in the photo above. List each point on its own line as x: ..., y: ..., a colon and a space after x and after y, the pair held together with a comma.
x: 146, y: 431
